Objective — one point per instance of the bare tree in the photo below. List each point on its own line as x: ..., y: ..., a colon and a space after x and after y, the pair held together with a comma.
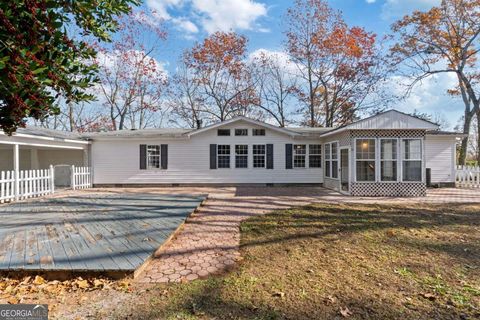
x: 185, y: 99
x: 131, y: 80
x: 274, y: 85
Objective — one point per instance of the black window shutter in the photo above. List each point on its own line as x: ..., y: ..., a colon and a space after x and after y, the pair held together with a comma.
x: 143, y: 156
x: 288, y: 156
x: 213, y: 156
x: 269, y: 156
x: 164, y: 156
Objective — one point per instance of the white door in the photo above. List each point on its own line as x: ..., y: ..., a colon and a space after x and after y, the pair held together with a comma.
x: 344, y: 170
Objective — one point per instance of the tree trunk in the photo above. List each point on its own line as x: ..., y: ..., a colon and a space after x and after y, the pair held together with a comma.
x: 312, y: 98
x: 478, y: 137
x: 466, y: 130
x: 71, y: 118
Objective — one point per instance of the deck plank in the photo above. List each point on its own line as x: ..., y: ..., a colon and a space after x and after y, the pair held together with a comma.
x: 89, y: 231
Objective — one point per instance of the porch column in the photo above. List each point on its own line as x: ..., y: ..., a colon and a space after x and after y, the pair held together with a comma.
x: 34, y: 165
x: 86, y: 161
x: 16, y: 169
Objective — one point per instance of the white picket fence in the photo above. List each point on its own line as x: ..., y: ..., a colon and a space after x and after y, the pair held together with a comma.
x: 468, y: 177
x: 81, y: 178
x: 36, y: 183
x: 30, y: 183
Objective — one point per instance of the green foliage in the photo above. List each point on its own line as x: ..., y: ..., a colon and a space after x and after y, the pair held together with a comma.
x: 40, y: 60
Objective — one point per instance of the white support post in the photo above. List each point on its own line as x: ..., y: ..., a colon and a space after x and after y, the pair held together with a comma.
x: 52, y: 179
x: 72, y: 169
x: 16, y: 170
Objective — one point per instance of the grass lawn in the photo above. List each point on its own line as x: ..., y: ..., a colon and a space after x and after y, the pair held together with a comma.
x: 341, y: 261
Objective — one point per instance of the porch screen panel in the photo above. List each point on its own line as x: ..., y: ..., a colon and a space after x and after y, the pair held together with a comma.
x: 365, y: 159
x: 388, y: 160
x: 412, y: 159
x: 335, y: 160
x: 327, y: 160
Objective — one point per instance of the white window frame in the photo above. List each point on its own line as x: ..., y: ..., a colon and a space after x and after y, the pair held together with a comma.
x: 331, y: 160
x: 299, y: 155
x: 375, y: 160
x: 315, y: 154
x: 259, y: 135
x: 325, y: 159
x: 397, y: 160
x: 224, y: 129
x: 259, y: 155
x: 241, y: 155
x: 220, y: 155
x: 149, y: 156
x: 240, y: 135
x: 422, y: 160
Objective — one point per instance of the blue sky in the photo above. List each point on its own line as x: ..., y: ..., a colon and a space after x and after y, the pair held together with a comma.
x: 262, y: 22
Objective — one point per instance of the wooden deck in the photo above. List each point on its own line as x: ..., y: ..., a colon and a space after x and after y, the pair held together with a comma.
x: 89, y: 232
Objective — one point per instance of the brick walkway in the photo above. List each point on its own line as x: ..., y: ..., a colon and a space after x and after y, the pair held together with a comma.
x: 208, y: 242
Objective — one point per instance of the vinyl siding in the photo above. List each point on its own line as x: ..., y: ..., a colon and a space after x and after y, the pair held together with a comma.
x: 440, y: 157
x: 117, y: 162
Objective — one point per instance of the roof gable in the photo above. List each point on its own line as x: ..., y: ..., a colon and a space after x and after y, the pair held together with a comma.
x: 247, y: 120
x: 391, y: 119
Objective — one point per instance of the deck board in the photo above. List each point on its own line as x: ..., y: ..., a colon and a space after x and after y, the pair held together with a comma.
x: 107, y: 232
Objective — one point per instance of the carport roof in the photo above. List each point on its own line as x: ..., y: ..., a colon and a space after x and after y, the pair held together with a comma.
x: 44, y: 132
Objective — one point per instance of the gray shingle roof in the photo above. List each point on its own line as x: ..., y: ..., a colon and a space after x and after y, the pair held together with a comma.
x: 44, y: 132
x: 445, y: 133
x: 168, y: 132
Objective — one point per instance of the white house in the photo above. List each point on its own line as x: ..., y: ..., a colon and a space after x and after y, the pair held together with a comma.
x: 389, y: 154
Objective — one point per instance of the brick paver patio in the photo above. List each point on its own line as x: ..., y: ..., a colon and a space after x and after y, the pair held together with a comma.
x: 208, y: 242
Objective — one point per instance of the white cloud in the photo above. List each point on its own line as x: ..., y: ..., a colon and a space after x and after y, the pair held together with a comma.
x: 394, y: 9
x: 111, y: 60
x: 212, y: 15
x: 281, y: 57
x: 160, y: 7
x: 370, y: 1
x: 225, y: 15
x: 430, y: 96
x: 185, y: 25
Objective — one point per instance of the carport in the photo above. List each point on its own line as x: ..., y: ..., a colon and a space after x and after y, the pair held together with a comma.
x: 38, y: 153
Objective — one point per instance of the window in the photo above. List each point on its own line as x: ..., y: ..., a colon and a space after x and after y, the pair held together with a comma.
x: 388, y: 159
x: 365, y: 159
x: 331, y: 160
x: 258, y: 132
x: 299, y: 155
x: 412, y: 159
x: 241, y: 156
x: 223, y: 156
x: 328, y: 158
x: 153, y: 157
x: 335, y: 160
x: 223, y: 132
x: 315, y: 156
x: 259, y: 156
x: 241, y: 132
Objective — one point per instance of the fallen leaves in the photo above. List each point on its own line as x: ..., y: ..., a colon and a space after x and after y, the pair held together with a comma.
x: 38, y: 280
x: 345, y: 312
x: 428, y: 296
x: 14, y: 290
x: 330, y: 300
